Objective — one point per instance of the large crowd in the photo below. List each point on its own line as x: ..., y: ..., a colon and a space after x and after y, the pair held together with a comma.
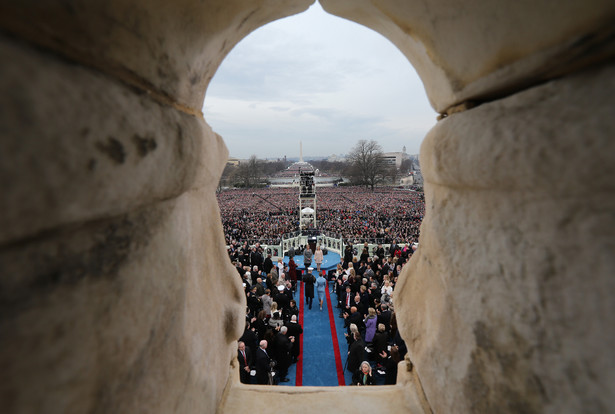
x: 363, y: 283
x: 355, y: 214
x: 364, y: 286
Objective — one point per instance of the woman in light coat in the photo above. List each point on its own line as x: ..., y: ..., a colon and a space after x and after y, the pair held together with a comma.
x: 321, y: 285
x: 318, y: 258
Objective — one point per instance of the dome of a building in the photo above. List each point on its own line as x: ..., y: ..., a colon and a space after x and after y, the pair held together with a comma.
x: 295, y: 168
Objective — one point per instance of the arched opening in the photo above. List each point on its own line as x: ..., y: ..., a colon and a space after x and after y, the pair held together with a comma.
x: 326, y: 82
x: 111, y: 237
x: 320, y: 79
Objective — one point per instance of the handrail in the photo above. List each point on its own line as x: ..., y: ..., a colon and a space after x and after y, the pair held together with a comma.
x: 335, y: 244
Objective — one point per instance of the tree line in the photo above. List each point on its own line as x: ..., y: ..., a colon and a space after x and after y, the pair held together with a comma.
x: 365, y: 166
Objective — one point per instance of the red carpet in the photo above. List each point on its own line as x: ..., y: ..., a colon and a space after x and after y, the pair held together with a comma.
x: 299, y: 375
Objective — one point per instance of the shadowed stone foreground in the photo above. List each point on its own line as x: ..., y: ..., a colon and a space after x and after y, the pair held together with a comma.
x: 115, y: 294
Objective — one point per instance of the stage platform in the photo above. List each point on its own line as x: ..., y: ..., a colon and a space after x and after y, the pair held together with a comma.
x: 330, y: 261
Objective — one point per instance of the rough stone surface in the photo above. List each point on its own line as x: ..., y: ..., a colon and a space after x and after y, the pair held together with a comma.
x: 111, y: 242
x: 404, y: 397
x: 171, y: 50
x: 110, y: 246
x: 480, y: 49
x: 93, y: 137
x: 119, y: 315
x: 508, y: 305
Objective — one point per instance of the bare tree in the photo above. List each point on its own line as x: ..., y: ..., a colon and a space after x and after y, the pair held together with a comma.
x: 367, y: 163
x: 249, y: 173
x: 391, y: 172
x: 230, y: 170
x: 331, y: 167
x: 406, y: 166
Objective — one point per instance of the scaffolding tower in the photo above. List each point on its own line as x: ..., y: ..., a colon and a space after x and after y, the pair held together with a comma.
x: 307, y: 200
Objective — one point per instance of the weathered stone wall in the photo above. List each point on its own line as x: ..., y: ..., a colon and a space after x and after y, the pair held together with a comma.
x: 110, y: 238
x: 106, y: 293
x: 482, y: 49
x: 114, y: 295
x: 508, y: 302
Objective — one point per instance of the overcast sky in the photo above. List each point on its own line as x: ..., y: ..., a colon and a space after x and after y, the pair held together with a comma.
x: 319, y: 79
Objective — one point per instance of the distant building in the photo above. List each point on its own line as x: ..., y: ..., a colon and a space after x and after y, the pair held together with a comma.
x: 395, y: 158
x: 233, y: 161
x: 407, y: 181
x: 290, y: 177
x: 337, y: 158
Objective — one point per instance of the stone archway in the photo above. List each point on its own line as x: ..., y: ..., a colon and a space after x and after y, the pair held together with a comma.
x: 110, y: 236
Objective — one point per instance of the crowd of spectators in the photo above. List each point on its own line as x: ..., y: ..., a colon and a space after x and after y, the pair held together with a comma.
x: 365, y: 290
x: 364, y: 282
x: 271, y: 339
x: 364, y: 286
x: 353, y: 213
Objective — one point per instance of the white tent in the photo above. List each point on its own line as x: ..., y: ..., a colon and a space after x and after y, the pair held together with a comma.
x: 307, y: 210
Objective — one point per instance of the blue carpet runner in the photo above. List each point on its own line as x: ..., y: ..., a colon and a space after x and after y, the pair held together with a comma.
x: 323, y: 350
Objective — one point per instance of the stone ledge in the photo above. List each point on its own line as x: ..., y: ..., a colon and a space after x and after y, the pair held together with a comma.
x: 404, y: 397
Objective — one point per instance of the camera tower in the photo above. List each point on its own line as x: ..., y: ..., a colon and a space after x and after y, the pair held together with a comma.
x: 307, y: 200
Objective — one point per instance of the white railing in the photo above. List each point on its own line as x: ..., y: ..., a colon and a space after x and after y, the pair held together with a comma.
x: 326, y: 241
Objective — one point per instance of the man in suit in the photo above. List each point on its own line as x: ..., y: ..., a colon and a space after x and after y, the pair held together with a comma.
x: 354, y: 317
x: 362, y: 269
x: 393, y: 248
x: 386, y: 266
x: 384, y: 317
x: 294, y: 330
x: 355, y: 353
x: 256, y: 258
x: 347, y: 300
x: 263, y: 363
x: 282, y: 345
x: 290, y: 311
x: 268, y: 264
x: 245, y: 256
x: 379, y: 252
x: 281, y: 298
x: 260, y: 287
x: 244, y: 356
x: 374, y: 293
x: 369, y: 271
x: 253, y: 301
x: 348, y: 255
x: 308, y: 286
x: 357, y: 303
x: 250, y: 338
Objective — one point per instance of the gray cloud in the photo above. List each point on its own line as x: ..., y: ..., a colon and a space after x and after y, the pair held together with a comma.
x: 319, y: 79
